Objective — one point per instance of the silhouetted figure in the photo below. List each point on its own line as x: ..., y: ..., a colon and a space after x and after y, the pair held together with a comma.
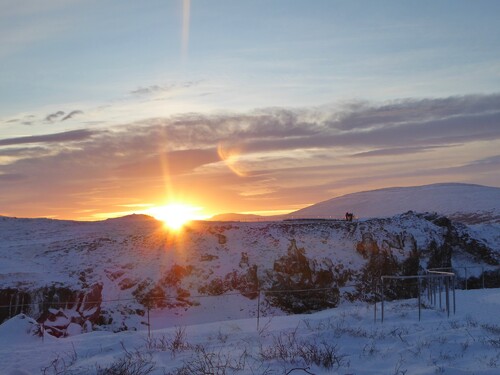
x: 349, y: 216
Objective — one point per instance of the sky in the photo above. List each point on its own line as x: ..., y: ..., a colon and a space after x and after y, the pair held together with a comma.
x: 113, y: 107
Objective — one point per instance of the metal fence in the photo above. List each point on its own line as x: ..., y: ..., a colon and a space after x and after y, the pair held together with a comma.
x: 430, y: 286
x: 434, y: 289
x: 465, y: 275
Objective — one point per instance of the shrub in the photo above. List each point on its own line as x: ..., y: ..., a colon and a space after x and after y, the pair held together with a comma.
x: 133, y: 363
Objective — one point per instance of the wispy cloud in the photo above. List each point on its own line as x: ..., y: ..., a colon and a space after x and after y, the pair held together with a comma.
x: 62, y: 116
x: 282, y: 130
x: 396, y: 151
x: 53, y: 116
x: 71, y: 115
x: 494, y: 160
x: 157, y: 89
x: 24, y: 151
x: 69, y: 136
x: 363, y: 115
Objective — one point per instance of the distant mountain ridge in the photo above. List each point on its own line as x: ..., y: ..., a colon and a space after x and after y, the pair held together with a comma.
x: 452, y: 199
x: 239, y: 217
x: 467, y: 203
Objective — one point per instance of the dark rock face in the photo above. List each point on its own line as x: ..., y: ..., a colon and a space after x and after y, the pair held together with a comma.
x: 13, y: 302
x: 368, y: 246
x: 166, y: 292
x: 244, y: 282
x: 56, y: 309
x: 294, y: 273
x: 456, y: 240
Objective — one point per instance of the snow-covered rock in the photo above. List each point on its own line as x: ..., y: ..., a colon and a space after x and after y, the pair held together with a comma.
x: 21, y: 328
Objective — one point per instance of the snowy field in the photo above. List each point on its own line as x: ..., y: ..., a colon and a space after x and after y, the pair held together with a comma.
x: 345, y: 340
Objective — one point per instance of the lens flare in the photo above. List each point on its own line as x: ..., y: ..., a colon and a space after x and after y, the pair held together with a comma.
x: 186, y: 16
x: 230, y: 156
x: 176, y: 215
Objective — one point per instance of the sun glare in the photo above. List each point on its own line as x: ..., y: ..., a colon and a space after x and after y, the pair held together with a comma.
x: 176, y: 215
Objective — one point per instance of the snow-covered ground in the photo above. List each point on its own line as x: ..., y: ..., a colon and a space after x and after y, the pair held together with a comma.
x: 345, y: 340
x: 131, y: 256
x: 112, y: 265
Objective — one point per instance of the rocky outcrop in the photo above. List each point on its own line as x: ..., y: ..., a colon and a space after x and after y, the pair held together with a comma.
x: 367, y: 246
x: 457, y: 239
x: 294, y: 275
x: 167, y: 292
x: 246, y: 283
x: 59, y: 310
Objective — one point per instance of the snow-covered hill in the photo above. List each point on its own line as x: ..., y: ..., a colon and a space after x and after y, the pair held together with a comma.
x: 79, y: 276
x: 464, y: 202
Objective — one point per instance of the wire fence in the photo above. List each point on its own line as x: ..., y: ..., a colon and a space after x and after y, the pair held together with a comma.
x: 434, y: 289
x: 262, y: 301
x: 167, y: 298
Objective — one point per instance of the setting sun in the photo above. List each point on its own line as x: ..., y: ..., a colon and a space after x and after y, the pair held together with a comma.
x: 176, y: 215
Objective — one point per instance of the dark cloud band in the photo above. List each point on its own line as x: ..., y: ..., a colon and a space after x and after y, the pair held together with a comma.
x: 69, y: 136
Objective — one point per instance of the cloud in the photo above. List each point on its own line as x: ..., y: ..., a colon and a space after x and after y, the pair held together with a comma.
x: 194, y: 136
x: 23, y: 120
x: 362, y: 115
x: 446, y: 131
x: 71, y: 114
x: 54, y: 116
x: 396, y: 151
x: 491, y: 161
x: 24, y: 152
x: 149, y: 90
x: 69, y: 136
x: 275, y: 130
x: 60, y: 115
x: 157, y: 89
x: 289, y: 156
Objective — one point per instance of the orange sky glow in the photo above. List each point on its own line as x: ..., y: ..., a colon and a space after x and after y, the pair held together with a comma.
x: 256, y: 107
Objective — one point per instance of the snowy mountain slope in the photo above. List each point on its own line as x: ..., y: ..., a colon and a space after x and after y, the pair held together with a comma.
x: 344, y: 341
x: 115, y: 268
x: 468, y: 203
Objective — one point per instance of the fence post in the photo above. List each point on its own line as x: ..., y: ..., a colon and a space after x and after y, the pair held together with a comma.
x: 431, y: 289
x: 454, y: 303
x: 258, y: 309
x: 440, y: 292
x: 149, y: 324
x: 418, y: 291
x: 482, y: 276
x: 434, y: 297
x: 447, y: 287
x: 382, y: 301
